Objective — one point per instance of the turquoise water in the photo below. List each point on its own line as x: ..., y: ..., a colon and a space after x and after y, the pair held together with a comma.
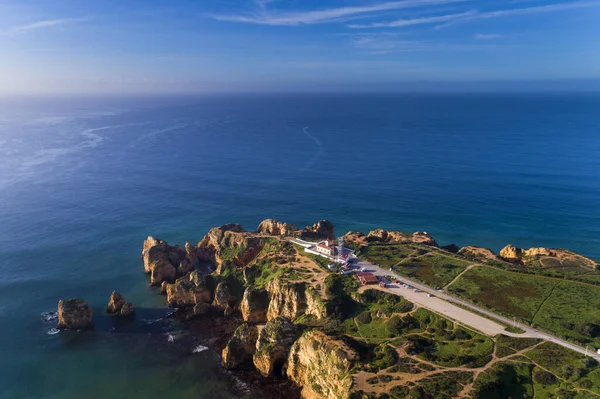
x: 84, y: 181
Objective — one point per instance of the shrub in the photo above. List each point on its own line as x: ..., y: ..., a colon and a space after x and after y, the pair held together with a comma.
x: 364, y: 317
x: 544, y: 378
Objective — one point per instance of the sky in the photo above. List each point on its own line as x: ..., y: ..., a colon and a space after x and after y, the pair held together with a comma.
x: 187, y: 46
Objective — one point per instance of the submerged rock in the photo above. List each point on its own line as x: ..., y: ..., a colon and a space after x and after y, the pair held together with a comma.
x: 254, y: 305
x: 273, y: 346
x: 321, y: 366
x: 241, y: 347
x: 74, y: 314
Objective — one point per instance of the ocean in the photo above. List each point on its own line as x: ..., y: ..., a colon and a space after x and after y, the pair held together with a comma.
x: 83, y: 181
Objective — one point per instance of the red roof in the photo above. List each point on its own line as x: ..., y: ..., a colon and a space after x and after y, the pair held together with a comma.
x: 370, y: 278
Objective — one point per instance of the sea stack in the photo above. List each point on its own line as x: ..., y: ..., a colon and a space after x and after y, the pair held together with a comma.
x: 74, y: 314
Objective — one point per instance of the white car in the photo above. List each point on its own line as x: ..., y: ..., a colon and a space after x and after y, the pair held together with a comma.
x: 429, y: 295
x: 364, y: 269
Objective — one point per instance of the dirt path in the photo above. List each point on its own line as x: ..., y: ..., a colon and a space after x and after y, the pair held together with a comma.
x: 460, y: 274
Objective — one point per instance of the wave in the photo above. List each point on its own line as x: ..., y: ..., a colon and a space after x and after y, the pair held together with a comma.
x: 170, y: 337
x: 49, y: 316
x: 319, y: 151
x: 53, y: 331
x: 199, y: 348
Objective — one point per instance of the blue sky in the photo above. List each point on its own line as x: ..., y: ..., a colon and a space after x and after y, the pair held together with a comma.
x: 271, y: 45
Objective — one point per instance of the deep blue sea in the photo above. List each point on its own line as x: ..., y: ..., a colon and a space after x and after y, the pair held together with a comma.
x: 83, y: 181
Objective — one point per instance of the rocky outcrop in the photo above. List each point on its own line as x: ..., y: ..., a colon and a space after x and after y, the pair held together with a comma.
x: 319, y: 231
x: 452, y: 248
x: 165, y: 262
x: 273, y: 346
x: 190, y: 290
x: 314, y: 304
x: 510, y: 252
x: 254, y: 305
x: 355, y: 237
x: 286, y: 299
x: 223, y: 296
x: 74, y: 314
x: 472, y: 252
x: 398, y: 236
x: 321, y: 366
x: 229, y: 246
x: 119, y: 306
x: 241, y: 347
x: 276, y: 228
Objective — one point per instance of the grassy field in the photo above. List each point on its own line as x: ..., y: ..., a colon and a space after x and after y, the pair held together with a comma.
x: 508, y: 293
x: 572, y: 312
x: 505, y: 380
x: 433, y: 269
x: 386, y: 255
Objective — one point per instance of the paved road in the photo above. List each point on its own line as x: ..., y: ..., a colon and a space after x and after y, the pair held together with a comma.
x: 444, y: 304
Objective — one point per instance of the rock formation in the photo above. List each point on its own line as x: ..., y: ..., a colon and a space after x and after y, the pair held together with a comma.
x: 275, y: 228
x: 165, y: 262
x: 241, y: 347
x: 286, y: 299
x: 512, y: 253
x: 398, y: 236
x: 355, y: 237
x: 229, y: 246
x: 254, y: 305
x: 191, y: 290
x: 321, y: 366
x: 119, y: 306
x: 74, y: 314
x: 223, y: 296
x: 273, y: 346
x: 473, y: 252
x: 319, y: 231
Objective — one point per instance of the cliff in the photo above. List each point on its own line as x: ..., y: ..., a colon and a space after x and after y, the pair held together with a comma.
x: 241, y: 347
x: 165, y: 262
x: 276, y: 228
x: 273, y: 346
x: 193, y: 290
x: 229, y: 246
x: 321, y: 366
x: 398, y: 236
x: 254, y: 305
x: 319, y: 231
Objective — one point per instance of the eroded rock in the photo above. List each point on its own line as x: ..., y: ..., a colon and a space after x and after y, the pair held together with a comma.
x: 276, y: 228
x: 241, y: 347
x: 273, y: 346
x: 319, y: 231
x: 74, y: 314
x: 254, y: 305
x: 321, y: 366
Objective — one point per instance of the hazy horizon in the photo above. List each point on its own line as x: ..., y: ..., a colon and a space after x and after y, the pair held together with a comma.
x: 285, y: 46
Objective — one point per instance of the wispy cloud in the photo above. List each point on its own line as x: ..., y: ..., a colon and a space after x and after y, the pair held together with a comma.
x: 416, y: 21
x: 263, y: 16
x: 451, y: 19
x: 49, y: 23
x: 379, y: 44
x: 488, y: 36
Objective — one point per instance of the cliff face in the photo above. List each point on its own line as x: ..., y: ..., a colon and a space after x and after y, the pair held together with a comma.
x: 273, y: 346
x: 286, y: 299
x: 319, y: 231
x: 398, y: 236
x: 165, y: 262
x: 276, y: 228
x: 241, y: 347
x: 321, y: 366
x: 229, y: 246
x: 292, y: 300
x: 192, y: 290
x: 254, y: 305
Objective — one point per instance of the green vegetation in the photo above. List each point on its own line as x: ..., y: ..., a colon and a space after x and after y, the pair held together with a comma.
x: 572, y: 312
x: 504, y: 380
x: 564, y: 363
x: 433, y: 269
x: 506, y: 345
x: 507, y: 293
x: 385, y: 356
x: 385, y: 254
x: 262, y: 272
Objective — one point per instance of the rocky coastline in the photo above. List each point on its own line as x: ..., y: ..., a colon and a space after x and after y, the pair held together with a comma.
x: 266, y: 308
